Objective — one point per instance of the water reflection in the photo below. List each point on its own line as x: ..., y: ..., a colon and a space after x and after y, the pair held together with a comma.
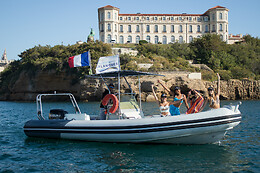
x: 168, y: 158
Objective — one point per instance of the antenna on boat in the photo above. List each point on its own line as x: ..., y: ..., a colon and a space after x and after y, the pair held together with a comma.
x: 140, y: 94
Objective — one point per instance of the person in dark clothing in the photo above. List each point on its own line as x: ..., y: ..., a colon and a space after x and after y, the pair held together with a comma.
x: 102, y: 114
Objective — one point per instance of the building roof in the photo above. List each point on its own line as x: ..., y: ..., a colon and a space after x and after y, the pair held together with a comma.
x: 109, y: 6
x: 215, y: 8
x: 184, y: 14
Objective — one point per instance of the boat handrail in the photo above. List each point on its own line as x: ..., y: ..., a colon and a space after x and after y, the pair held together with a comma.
x: 39, y: 103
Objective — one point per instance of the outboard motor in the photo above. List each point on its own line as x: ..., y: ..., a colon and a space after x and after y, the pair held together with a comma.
x: 57, y: 114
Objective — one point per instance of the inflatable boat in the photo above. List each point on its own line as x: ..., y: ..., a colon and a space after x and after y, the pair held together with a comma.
x: 128, y: 124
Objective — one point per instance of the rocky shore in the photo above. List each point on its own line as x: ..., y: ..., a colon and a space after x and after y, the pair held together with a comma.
x: 26, y: 88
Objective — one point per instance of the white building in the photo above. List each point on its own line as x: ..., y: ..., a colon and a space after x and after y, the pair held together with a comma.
x: 4, y: 61
x: 165, y: 28
x: 232, y: 39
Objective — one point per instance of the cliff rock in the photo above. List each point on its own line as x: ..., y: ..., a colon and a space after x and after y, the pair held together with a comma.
x: 27, y: 87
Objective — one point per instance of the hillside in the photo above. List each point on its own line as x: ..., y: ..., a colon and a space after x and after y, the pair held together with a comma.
x: 45, y: 68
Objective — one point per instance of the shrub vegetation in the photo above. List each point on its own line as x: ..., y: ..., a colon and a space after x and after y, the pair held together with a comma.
x: 230, y: 61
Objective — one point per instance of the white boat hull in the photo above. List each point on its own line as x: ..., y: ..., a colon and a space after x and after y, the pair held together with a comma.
x: 200, y: 128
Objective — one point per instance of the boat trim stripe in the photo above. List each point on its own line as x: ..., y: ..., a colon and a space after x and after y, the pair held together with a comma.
x: 139, y: 126
x: 133, y: 131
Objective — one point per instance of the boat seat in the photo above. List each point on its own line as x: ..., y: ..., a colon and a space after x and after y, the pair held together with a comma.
x: 131, y: 114
x: 82, y: 116
x: 130, y: 109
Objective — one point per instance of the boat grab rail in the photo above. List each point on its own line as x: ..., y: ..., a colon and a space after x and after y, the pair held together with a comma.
x: 39, y: 103
x: 233, y: 106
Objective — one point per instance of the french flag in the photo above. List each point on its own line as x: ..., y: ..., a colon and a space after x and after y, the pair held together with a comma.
x: 80, y: 60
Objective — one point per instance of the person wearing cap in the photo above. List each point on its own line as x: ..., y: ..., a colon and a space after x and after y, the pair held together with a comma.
x: 178, y: 99
x: 102, y: 114
x: 163, y: 104
x: 213, y: 99
x: 196, y: 102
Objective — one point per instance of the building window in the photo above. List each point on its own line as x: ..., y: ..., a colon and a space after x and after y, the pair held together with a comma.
x: 102, y: 27
x: 102, y: 38
x: 108, y: 38
x: 147, y: 18
x: 220, y: 27
x: 121, y: 18
x: 190, y: 18
x: 164, y: 28
x: 155, y: 28
x: 102, y: 16
x: 147, y: 28
x: 108, y: 15
x: 172, y: 18
x: 213, y: 17
x: 109, y: 27
x: 148, y: 38
x: 172, y: 28
x: 137, y: 18
x: 220, y: 16
x: 129, y: 18
x: 164, y: 18
x: 221, y: 37
x: 155, y: 18
x: 164, y: 40
x: 137, y: 39
x: 172, y: 39
x: 137, y: 28
x: 115, y: 17
x: 206, y: 28
x: 180, y: 28
x: 129, y: 39
x: 129, y: 28
x: 190, y: 39
x: 198, y: 28
x: 198, y: 19
x: 206, y: 18
x: 190, y: 28
x: 198, y: 36
x: 180, y: 39
x: 213, y: 28
x: 180, y: 18
x: 226, y: 28
x: 121, y: 28
x: 156, y: 39
x: 121, y: 39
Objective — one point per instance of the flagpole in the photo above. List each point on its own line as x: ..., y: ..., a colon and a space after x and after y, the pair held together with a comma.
x: 90, y: 66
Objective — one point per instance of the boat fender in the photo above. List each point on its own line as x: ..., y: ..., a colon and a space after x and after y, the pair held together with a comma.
x: 114, y: 100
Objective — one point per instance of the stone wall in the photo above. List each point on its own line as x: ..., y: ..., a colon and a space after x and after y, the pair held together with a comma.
x: 27, y: 87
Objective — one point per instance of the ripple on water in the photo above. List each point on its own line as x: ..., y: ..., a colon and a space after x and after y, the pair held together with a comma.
x: 5, y: 156
x: 238, y: 152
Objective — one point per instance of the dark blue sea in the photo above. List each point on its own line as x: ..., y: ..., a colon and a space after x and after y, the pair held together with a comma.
x: 237, y: 152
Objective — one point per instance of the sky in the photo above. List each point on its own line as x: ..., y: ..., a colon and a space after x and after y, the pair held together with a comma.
x: 28, y: 23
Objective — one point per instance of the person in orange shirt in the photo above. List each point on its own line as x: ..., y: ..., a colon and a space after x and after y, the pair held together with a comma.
x: 196, y: 102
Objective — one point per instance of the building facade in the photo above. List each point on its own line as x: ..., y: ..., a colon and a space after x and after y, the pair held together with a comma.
x: 4, y: 61
x: 232, y: 39
x: 160, y: 28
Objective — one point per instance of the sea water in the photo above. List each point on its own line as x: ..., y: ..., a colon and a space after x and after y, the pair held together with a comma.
x: 237, y: 152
